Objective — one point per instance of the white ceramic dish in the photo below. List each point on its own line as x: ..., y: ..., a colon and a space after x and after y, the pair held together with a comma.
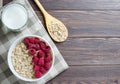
x: 9, y: 59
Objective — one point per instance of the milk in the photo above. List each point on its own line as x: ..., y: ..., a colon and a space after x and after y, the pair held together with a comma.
x: 14, y: 16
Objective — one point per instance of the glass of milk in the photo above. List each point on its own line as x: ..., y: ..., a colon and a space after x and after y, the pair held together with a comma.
x: 14, y: 17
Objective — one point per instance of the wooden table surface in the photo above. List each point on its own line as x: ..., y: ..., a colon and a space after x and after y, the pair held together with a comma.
x: 92, y: 49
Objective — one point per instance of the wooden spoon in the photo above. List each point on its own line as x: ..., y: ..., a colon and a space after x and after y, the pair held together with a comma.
x: 56, y: 28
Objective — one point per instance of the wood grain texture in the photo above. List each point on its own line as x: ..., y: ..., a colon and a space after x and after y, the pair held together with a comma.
x: 89, y: 75
x: 77, y: 4
x: 93, y: 47
x: 91, y: 51
x: 1, y: 3
x: 89, y: 24
x: 80, y: 4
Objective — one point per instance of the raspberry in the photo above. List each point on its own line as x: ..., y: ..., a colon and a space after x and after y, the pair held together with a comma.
x: 41, y: 62
x: 48, y: 59
x: 36, y: 68
x: 32, y: 51
x: 35, y: 59
x: 42, y: 45
x: 30, y: 46
x: 37, y: 46
x: 36, y: 40
x: 31, y: 40
x: 47, y: 66
x: 41, y: 53
x: 47, y: 49
x: 38, y: 74
x: 42, y: 70
x: 26, y: 41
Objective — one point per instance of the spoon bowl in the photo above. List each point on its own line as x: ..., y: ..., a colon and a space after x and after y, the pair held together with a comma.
x: 55, y: 27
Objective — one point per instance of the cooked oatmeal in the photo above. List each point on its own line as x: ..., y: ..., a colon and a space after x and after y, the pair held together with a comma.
x: 22, y: 61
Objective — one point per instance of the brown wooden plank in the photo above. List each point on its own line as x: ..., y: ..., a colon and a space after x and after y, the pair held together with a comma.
x: 91, y: 51
x: 76, y: 4
x: 89, y: 75
x: 6, y: 1
x: 89, y: 23
x: 79, y: 4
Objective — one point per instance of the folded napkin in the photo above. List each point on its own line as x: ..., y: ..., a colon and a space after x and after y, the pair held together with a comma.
x: 34, y: 26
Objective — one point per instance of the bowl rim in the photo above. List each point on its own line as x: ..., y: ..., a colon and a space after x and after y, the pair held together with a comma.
x: 9, y: 59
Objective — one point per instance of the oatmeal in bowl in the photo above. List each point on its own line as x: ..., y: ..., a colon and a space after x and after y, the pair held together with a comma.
x: 30, y: 58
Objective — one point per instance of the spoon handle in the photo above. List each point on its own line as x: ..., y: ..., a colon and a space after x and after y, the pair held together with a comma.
x: 40, y: 7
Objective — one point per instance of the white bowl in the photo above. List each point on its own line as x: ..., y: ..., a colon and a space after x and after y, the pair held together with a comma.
x: 9, y: 59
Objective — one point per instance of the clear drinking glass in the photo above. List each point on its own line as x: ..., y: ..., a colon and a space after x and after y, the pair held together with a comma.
x: 14, y: 17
